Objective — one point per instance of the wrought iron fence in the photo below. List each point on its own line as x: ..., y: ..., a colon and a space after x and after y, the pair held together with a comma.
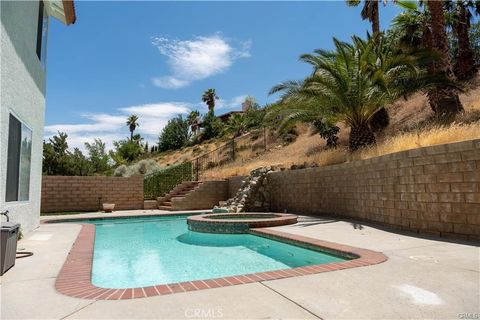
x: 159, y: 183
x: 240, y: 148
x: 220, y: 156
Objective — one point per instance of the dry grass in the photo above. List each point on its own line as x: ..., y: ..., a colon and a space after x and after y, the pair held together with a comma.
x: 300, y: 152
x: 423, y: 138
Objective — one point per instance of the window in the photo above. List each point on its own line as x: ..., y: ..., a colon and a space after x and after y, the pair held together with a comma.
x: 42, y: 31
x: 18, y: 161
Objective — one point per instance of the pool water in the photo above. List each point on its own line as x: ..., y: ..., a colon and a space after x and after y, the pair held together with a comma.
x: 159, y: 250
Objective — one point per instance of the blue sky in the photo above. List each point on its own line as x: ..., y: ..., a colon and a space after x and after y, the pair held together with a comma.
x: 155, y: 59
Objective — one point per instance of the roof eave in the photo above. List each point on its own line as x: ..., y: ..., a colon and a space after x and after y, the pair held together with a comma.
x: 62, y: 10
x: 69, y: 9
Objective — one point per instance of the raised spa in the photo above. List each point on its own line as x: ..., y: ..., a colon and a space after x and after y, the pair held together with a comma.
x: 237, y: 222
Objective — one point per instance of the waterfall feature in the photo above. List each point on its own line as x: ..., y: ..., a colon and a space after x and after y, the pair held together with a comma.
x: 253, y: 195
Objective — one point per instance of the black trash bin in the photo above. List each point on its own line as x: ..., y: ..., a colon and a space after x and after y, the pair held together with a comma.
x: 9, y: 237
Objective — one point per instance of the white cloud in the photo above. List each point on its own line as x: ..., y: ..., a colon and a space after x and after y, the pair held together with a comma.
x: 165, y: 109
x: 109, y: 127
x: 233, y: 103
x: 197, y: 59
x: 169, y: 82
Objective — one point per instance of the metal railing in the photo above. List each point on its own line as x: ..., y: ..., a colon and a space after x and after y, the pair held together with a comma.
x: 236, y: 149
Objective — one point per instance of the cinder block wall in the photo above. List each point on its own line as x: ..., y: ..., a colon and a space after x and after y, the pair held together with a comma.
x: 205, y: 196
x: 75, y: 193
x: 432, y: 189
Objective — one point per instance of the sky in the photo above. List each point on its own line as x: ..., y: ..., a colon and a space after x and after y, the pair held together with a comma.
x: 154, y: 59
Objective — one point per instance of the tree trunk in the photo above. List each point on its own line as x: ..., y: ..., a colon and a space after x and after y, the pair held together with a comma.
x: 360, y: 136
x: 375, y: 17
x: 465, y: 64
x: 445, y: 100
x: 211, y: 106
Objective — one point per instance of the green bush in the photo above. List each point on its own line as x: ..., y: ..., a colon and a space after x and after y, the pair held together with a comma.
x: 160, y: 183
x: 175, y: 134
x: 212, y: 127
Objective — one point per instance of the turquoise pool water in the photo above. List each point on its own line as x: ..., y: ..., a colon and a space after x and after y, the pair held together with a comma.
x: 159, y: 250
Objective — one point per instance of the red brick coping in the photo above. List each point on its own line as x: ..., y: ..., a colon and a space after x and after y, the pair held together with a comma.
x: 75, y: 277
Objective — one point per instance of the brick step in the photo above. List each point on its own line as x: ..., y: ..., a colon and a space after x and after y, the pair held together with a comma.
x: 149, y: 204
x: 182, y: 193
x: 179, y: 193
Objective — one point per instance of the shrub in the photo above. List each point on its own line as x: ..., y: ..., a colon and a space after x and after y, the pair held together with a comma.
x: 212, y: 127
x: 175, y: 134
x: 289, y: 136
x: 159, y: 183
x: 142, y: 167
x: 327, y: 131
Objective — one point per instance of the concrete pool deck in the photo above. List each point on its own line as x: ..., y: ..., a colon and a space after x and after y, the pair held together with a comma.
x: 423, y: 278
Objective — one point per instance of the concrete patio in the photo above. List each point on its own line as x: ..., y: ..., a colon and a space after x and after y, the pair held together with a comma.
x: 423, y: 278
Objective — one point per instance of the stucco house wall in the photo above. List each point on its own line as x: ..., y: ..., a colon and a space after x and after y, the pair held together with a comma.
x: 22, y: 94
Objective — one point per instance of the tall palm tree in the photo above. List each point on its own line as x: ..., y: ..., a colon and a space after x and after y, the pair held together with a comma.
x: 444, y: 99
x: 369, y: 12
x: 411, y: 29
x: 132, y: 123
x: 462, y: 12
x: 351, y: 83
x: 209, y: 97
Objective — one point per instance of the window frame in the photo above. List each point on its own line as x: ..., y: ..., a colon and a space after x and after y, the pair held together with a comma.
x: 22, y: 123
x: 42, y: 33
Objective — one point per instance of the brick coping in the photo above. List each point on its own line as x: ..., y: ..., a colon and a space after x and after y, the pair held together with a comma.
x: 75, y: 276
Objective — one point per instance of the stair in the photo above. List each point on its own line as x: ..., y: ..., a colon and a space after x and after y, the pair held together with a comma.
x: 178, y: 193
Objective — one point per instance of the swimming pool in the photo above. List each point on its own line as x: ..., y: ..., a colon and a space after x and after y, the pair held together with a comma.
x: 148, y: 251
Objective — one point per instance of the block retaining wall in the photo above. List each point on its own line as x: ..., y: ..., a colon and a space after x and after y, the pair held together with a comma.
x: 432, y: 190
x: 77, y: 193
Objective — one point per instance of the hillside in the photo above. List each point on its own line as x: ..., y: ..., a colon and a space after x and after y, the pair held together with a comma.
x: 411, y: 126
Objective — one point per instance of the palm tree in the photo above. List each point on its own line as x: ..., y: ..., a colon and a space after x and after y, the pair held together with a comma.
x: 209, y: 97
x: 351, y: 84
x: 411, y: 29
x: 236, y: 124
x: 193, y: 120
x: 444, y: 99
x: 461, y: 13
x: 369, y: 12
x: 132, y: 123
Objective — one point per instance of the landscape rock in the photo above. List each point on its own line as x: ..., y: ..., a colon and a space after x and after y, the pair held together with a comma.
x: 253, y: 195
